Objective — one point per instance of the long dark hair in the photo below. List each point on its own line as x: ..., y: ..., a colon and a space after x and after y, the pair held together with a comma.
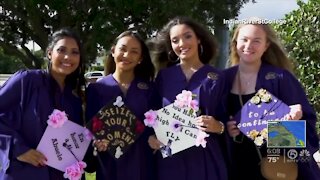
x: 161, y: 44
x: 76, y: 79
x: 145, y: 69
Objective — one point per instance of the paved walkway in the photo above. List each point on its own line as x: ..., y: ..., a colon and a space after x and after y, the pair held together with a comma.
x: 1, y: 82
x: 3, y: 78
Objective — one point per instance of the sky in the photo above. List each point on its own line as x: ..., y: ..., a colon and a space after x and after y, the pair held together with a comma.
x: 268, y: 9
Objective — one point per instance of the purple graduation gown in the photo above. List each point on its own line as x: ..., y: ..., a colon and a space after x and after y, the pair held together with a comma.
x: 27, y: 99
x: 134, y: 164
x: 287, y: 88
x: 195, y: 162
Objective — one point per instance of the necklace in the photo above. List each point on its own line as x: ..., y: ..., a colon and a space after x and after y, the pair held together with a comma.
x: 125, y: 85
x: 247, y: 89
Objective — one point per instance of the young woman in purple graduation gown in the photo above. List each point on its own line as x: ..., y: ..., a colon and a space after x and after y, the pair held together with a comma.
x: 129, y: 73
x: 260, y: 62
x: 30, y: 96
x: 186, y: 48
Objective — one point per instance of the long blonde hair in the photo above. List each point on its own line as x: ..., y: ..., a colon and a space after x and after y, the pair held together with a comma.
x: 275, y: 53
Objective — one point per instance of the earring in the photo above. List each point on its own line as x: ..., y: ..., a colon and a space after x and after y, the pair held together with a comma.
x: 173, y: 57
x: 201, y: 49
x: 170, y: 53
x: 49, y: 66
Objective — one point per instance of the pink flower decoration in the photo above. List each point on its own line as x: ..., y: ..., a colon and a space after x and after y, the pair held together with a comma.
x: 179, y: 104
x: 88, y: 134
x: 75, y: 171
x: 150, y: 118
x: 57, y: 118
x: 183, y: 99
x: 201, y: 139
x: 194, y: 105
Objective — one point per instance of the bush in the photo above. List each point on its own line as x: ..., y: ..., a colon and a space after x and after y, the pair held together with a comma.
x: 301, y: 36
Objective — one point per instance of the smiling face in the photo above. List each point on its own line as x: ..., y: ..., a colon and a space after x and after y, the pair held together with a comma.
x: 127, y: 53
x: 251, y: 43
x: 64, y: 57
x: 184, y: 42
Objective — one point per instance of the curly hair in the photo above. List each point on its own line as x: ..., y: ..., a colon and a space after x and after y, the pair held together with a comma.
x: 164, y: 55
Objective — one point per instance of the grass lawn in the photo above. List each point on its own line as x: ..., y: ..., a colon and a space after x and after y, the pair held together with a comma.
x: 90, y: 176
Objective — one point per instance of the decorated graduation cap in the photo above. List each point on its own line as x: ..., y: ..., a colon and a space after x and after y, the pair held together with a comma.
x: 253, y: 118
x: 116, y: 126
x: 64, y: 143
x: 174, y: 125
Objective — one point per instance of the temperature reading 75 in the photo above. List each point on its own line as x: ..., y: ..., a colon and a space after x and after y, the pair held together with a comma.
x: 273, y: 159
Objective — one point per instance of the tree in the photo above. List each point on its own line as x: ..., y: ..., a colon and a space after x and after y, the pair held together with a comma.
x: 97, y: 21
x: 300, y: 34
x: 9, y: 64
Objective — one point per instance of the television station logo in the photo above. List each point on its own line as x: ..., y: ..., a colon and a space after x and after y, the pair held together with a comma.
x: 288, y: 155
x: 287, y: 141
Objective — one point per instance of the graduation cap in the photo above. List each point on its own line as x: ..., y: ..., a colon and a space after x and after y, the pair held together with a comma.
x: 175, y: 128
x: 63, y: 143
x: 116, y: 126
x: 175, y: 125
x: 253, y: 118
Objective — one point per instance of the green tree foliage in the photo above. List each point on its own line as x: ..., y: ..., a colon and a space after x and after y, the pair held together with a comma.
x: 301, y: 35
x: 9, y: 64
x: 97, y: 21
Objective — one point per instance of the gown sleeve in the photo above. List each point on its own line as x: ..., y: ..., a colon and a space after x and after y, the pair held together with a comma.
x: 292, y: 92
x: 92, y: 100
x: 12, y: 94
x: 212, y: 92
x: 155, y: 102
x: 156, y: 92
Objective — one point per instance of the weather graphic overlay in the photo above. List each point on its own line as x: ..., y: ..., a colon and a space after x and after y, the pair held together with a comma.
x: 286, y: 134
